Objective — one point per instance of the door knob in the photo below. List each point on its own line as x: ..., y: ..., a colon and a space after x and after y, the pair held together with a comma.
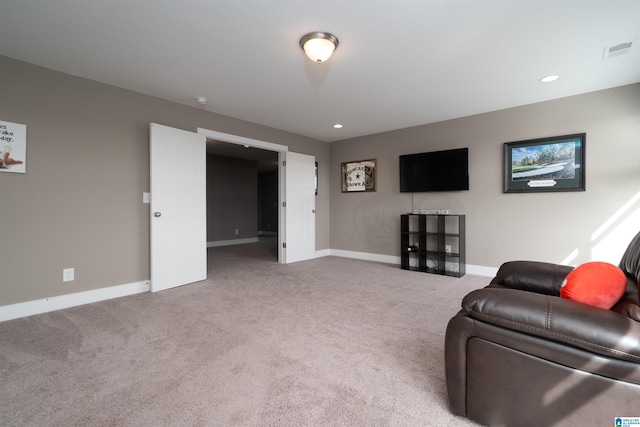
x: 157, y: 214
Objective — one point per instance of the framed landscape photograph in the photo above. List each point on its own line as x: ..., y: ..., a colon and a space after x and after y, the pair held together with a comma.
x: 358, y: 176
x: 545, y: 164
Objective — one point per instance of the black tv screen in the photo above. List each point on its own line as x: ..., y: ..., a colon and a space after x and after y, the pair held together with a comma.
x: 446, y: 170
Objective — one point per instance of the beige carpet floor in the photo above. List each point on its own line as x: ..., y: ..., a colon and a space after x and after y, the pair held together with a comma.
x: 327, y: 342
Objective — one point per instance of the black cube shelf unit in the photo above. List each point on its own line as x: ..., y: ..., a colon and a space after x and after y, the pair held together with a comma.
x: 433, y: 244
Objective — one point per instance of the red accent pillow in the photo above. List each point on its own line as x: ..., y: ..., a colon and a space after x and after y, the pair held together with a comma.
x: 595, y: 283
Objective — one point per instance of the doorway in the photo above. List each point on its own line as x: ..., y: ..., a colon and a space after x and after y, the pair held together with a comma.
x: 184, y: 203
x: 296, y: 232
x: 242, y: 196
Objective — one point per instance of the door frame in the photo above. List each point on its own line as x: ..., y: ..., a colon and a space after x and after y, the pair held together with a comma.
x: 265, y: 145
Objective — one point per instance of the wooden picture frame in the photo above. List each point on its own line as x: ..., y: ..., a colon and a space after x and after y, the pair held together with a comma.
x: 358, y: 176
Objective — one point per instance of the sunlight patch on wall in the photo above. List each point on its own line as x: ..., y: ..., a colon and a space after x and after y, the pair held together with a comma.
x: 612, y: 238
x: 572, y: 257
x: 611, y: 221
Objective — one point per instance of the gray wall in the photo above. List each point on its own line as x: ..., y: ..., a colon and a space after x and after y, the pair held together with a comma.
x: 570, y: 226
x: 80, y: 203
x: 232, y: 198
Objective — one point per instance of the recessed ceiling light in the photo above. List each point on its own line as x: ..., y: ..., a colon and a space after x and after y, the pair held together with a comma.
x: 551, y: 78
x: 337, y: 126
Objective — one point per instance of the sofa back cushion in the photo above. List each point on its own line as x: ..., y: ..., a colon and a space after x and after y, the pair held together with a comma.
x: 630, y: 262
x: 629, y: 304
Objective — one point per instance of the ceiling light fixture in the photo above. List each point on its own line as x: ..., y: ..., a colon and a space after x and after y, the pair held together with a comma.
x: 318, y: 45
x: 201, y: 100
x: 337, y: 126
x: 551, y: 78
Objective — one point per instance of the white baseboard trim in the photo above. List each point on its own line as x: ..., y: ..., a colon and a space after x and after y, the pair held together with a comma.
x: 390, y: 259
x: 323, y: 253
x: 232, y: 242
x: 45, y: 305
x: 480, y: 270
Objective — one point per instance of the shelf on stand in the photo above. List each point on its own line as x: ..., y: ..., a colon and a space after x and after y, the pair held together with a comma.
x: 433, y: 244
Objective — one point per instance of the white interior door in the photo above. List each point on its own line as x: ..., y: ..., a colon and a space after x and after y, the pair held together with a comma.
x: 299, y: 211
x: 178, y: 207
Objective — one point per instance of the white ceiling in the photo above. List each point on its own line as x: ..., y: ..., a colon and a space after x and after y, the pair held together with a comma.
x: 399, y: 63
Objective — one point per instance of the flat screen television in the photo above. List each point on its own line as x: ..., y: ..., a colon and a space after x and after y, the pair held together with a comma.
x: 446, y: 170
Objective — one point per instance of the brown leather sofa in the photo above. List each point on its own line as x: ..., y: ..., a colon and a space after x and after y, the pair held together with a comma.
x: 519, y: 355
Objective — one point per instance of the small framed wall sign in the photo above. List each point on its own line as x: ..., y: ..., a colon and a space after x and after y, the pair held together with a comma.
x: 358, y: 176
x: 13, y: 147
x: 545, y: 164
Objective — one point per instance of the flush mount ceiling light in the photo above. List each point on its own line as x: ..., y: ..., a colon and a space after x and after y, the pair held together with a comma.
x: 338, y: 126
x: 551, y: 78
x: 318, y: 45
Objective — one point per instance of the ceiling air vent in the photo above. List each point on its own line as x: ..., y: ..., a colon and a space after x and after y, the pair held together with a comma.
x: 617, y: 50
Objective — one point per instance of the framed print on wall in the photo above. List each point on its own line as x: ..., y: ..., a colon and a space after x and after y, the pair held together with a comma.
x: 358, y: 176
x: 545, y: 164
x: 13, y: 147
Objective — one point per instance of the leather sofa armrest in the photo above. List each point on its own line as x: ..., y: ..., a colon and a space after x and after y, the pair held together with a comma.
x: 533, y: 276
x: 590, y: 328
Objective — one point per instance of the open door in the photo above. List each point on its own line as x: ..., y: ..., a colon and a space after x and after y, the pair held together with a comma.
x: 178, y: 207
x: 298, y: 212
x: 297, y: 222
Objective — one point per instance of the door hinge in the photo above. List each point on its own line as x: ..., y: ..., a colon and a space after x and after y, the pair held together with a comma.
x: 284, y: 245
x: 284, y: 204
x: 284, y: 163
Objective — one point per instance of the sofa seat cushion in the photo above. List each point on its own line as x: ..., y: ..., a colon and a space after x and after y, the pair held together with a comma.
x: 573, y: 323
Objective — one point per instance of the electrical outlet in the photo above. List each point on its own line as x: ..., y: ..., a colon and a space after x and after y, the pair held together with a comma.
x: 237, y: 231
x: 447, y: 248
x: 68, y: 274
